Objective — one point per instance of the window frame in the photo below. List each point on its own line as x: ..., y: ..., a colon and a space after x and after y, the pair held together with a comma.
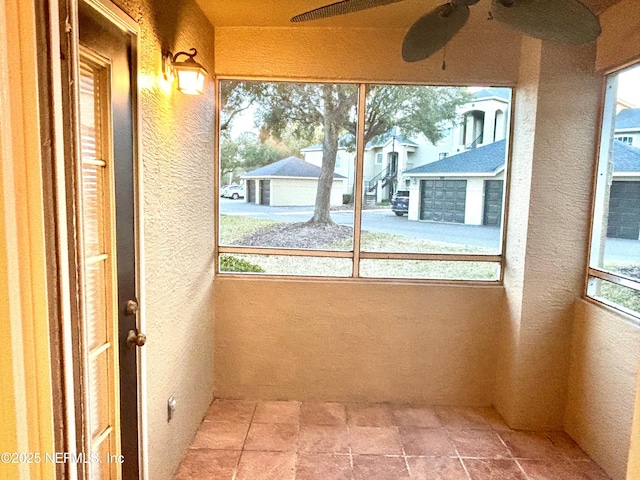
x: 356, y: 254
x: 596, y: 275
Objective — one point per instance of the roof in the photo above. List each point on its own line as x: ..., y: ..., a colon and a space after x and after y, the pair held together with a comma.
x: 487, y: 159
x: 288, y: 167
x: 490, y: 158
x: 500, y: 92
x: 628, y: 118
x: 626, y: 158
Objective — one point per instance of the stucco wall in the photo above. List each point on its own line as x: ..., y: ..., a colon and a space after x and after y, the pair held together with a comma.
x: 602, y: 385
x: 549, y: 219
x: 605, y: 351
x: 177, y: 149
x: 619, y: 43
x: 356, y: 341
x: 368, y: 54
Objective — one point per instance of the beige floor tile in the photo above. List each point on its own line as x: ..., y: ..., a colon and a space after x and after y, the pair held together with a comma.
x: 267, y: 466
x: 277, y: 412
x: 376, y: 440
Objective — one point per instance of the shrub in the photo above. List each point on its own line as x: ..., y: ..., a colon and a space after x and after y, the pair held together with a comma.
x: 346, y: 199
x: 235, y: 264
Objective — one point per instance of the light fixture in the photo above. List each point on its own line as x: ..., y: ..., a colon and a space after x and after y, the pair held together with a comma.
x: 190, y: 73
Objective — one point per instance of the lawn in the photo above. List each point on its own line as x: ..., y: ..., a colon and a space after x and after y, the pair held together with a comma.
x: 235, y: 228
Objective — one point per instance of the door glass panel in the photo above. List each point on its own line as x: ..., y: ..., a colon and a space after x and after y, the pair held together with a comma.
x: 95, y: 304
x: 100, y: 468
x: 93, y: 209
x: 99, y: 294
x: 99, y: 394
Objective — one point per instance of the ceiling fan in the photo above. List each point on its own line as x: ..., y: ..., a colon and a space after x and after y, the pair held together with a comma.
x: 560, y: 21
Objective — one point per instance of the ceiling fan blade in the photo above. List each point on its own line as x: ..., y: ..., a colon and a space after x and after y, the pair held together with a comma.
x: 432, y: 31
x: 560, y: 21
x: 340, y: 8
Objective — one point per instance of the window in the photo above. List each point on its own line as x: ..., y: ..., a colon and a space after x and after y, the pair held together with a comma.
x: 304, y: 214
x: 614, y: 264
x: 627, y: 140
x: 442, y: 155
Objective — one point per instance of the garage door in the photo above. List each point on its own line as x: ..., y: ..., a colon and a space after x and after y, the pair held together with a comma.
x: 624, y: 210
x: 443, y: 200
x: 251, y: 191
x: 492, y: 202
x: 265, y: 192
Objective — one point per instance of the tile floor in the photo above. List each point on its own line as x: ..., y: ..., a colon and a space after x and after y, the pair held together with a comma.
x: 336, y: 441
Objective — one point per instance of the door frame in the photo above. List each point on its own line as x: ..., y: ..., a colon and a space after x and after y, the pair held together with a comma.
x: 65, y: 97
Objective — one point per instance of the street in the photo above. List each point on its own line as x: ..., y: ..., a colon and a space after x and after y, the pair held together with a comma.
x: 385, y: 221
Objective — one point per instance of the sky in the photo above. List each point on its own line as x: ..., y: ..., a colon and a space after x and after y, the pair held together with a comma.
x: 629, y: 85
x: 628, y: 89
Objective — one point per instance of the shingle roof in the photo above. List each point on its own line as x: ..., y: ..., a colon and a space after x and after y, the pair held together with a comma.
x: 486, y: 159
x: 628, y: 118
x: 288, y: 167
x: 500, y: 92
x: 625, y: 157
x: 490, y: 158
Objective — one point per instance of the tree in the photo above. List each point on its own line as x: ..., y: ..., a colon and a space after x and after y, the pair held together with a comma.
x: 247, y: 152
x: 302, y: 108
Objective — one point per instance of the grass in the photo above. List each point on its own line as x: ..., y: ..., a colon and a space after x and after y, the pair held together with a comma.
x: 623, y: 296
x: 233, y: 228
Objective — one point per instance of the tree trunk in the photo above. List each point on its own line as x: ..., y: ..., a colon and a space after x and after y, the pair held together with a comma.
x: 322, y: 210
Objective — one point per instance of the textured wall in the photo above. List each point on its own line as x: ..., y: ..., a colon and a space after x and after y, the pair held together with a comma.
x: 619, y: 43
x: 177, y: 149
x: 602, y: 385
x: 365, y: 54
x: 356, y: 341
x: 546, y: 261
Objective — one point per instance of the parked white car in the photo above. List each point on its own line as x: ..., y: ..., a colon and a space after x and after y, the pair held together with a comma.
x: 234, y: 192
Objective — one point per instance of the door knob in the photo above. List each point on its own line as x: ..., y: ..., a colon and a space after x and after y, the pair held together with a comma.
x: 131, y: 308
x: 136, y: 339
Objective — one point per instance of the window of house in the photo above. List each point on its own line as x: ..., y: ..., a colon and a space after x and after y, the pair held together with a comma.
x: 627, y: 140
x: 614, y: 264
x: 296, y: 211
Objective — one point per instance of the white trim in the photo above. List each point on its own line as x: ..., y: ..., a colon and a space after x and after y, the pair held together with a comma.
x: 606, y: 146
x: 424, y: 176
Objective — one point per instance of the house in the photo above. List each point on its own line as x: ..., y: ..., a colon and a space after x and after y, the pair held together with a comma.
x: 628, y: 126
x: 624, y: 206
x: 463, y: 188
x: 468, y: 188
x: 482, y: 120
x: 533, y: 345
x: 288, y: 182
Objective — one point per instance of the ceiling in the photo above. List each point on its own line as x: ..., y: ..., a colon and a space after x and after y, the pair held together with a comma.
x: 276, y: 13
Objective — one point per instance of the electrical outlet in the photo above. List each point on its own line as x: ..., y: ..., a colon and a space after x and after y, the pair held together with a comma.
x: 171, y: 408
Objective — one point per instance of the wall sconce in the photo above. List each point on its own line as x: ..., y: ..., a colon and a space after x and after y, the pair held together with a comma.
x: 190, y: 73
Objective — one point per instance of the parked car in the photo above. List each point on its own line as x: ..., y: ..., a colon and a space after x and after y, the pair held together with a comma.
x: 234, y: 192
x: 223, y: 190
x: 400, y: 202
